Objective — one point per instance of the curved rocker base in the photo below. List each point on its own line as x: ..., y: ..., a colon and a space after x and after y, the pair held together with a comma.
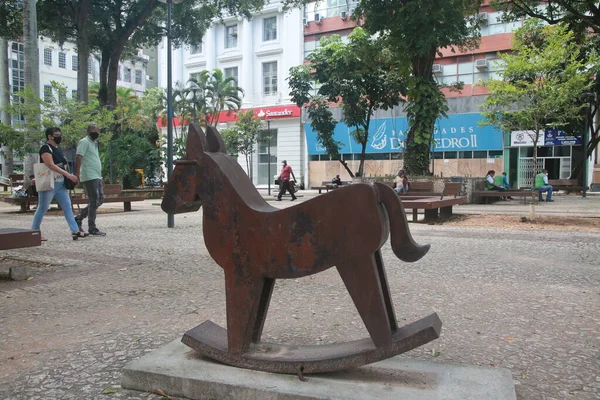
x: 210, y: 340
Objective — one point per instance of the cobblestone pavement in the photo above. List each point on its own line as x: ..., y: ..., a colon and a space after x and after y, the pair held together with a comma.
x: 527, y: 301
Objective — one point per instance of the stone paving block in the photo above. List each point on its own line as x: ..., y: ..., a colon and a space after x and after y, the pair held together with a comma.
x: 18, y: 273
x: 179, y: 371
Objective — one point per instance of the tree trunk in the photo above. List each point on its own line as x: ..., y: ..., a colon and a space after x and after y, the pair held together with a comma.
x: 32, y: 81
x: 7, y: 165
x: 82, y: 11
x: 111, y: 82
x: 345, y: 164
x: 417, y: 150
x: 103, y: 78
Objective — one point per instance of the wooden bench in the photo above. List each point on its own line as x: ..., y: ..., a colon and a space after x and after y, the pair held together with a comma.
x: 327, y: 186
x: 421, y: 189
x: 17, y: 238
x: 12, y: 181
x: 523, y: 193
x: 112, y: 194
x: 434, y: 207
x: 568, y: 185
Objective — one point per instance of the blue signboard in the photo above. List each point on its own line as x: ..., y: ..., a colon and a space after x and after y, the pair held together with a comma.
x: 557, y: 137
x: 458, y: 132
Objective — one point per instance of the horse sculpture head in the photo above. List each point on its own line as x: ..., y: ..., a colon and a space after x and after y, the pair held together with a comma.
x: 183, y: 192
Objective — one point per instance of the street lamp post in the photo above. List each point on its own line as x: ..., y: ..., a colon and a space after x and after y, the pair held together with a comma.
x: 170, y: 216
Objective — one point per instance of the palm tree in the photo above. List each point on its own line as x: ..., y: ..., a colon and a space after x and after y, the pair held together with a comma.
x: 32, y: 80
x: 224, y: 93
x: 199, y: 100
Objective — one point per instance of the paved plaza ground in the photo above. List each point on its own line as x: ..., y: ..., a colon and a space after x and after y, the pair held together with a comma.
x: 523, y: 299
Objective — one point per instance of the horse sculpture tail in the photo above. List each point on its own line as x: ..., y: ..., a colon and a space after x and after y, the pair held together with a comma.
x: 403, y: 245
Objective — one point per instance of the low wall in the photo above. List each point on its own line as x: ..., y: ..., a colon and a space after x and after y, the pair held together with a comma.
x: 320, y: 171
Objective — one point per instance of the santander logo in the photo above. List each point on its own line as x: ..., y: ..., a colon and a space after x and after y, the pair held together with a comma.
x: 275, y: 113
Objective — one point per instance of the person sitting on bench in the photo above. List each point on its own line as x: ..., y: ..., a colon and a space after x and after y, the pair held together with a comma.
x: 541, y: 185
x: 337, y: 181
x: 490, y: 183
x: 401, y: 182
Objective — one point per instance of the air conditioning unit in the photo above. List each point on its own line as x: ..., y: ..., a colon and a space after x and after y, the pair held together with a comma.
x: 481, y: 64
x: 436, y: 69
x: 482, y: 17
x: 318, y: 18
x: 343, y: 15
x: 305, y: 21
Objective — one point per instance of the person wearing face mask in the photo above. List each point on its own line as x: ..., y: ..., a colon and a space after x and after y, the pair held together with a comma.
x: 53, y: 157
x: 89, y: 171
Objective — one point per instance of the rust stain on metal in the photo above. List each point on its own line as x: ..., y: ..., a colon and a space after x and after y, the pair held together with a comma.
x: 256, y: 244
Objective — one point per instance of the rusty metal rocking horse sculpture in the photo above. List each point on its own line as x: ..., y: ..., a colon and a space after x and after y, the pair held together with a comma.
x: 256, y: 244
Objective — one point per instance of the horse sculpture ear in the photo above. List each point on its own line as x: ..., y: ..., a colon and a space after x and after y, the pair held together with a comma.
x: 196, y: 142
x: 215, y: 141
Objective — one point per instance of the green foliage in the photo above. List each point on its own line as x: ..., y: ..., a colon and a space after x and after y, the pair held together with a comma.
x: 415, y: 30
x: 241, y: 137
x: 11, y: 19
x: 224, y: 94
x: 362, y: 75
x: 130, y: 152
x: 542, y: 83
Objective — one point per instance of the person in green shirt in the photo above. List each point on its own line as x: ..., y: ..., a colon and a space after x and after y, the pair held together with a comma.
x: 490, y: 183
x: 89, y: 171
x: 541, y: 185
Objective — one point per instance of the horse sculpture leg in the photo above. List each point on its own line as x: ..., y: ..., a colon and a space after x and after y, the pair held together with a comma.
x: 263, y: 307
x: 362, y: 279
x: 244, y: 297
x: 385, y: 288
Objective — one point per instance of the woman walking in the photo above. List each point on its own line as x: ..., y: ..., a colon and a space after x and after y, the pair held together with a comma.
x: 55, y: 160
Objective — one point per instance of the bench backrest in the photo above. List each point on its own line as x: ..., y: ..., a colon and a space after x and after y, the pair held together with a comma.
x: 421, y: 186
x: 113, y: 190
x: 16, y: 179
x: 563, y: 182
x: 451, y: 189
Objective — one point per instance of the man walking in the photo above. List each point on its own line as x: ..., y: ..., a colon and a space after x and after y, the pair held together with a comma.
x: 284, y: 181
x: 89, y: 171
x: 541, y: 185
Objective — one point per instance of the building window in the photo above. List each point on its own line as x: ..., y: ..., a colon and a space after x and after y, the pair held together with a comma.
x: 195, y: 76
x: 90, y: 66
x: 127, y: 72
x: 75, y: 63
x: 231, y: 72
x: 74, y: 94
x: 269, y: 29
x: 270, y: 78
x: 231, y: 36
x: 138, y: 76
x: 48, y: 57
x: 196, y: 49
x: 62, y: 60
x: 18, y: 79
x: 62, y: 96
x: 119, y: 76
x: 48, y: 93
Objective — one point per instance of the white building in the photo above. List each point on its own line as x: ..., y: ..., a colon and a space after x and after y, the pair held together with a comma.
x: 259, y: 53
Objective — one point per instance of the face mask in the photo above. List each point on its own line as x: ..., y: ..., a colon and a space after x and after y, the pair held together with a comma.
x: 94, y: 135
x: 57, y: 140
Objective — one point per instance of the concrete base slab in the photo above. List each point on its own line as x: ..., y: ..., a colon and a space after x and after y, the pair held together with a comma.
x: 179, y: 371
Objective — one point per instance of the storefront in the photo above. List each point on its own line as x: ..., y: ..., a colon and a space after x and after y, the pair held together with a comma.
x: 463, y: 147
x: 557, y: 152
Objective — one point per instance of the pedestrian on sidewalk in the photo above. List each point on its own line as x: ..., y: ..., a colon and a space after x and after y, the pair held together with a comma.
x: 284, y: 180
x: 88, y: 169
x: 53, y: 157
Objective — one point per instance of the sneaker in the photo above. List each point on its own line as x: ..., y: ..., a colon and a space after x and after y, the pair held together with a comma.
x: 550, y: 201
x: 293, y: 199
x: 97, y: 232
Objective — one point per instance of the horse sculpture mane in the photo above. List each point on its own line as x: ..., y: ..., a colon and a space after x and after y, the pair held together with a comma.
x: 256, y: 244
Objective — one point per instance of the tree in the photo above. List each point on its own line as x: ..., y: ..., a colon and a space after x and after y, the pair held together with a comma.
x: 582, y: 17
x: 542, y: 82
x: 11, y: 27
x: 224, y: 94
x: 415, y: 30
x: 361, y: 75
x: 242, y: 135
x: 118, y: 27
x: 32, y: 82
